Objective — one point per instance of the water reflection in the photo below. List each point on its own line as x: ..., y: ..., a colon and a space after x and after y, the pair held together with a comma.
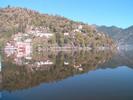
x: 121, y: 58
x: 21, y: 72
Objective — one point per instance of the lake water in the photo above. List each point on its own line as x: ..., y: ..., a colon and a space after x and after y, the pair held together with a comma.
x: 71, y: 75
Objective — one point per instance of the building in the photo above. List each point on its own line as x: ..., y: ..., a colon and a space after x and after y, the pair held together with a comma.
x: 23, y: 48
x: 66, y: 34
x: 47, y: 35
x: 18, y: 37
x: 80, y: 27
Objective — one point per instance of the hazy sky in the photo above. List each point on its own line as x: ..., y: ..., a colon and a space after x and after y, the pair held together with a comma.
x: 101, y: 12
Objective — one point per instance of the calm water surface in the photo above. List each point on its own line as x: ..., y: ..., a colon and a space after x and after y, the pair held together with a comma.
x: 93, y: 75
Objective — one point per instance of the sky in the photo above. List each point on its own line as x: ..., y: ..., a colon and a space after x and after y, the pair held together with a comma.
x: 101, y: 12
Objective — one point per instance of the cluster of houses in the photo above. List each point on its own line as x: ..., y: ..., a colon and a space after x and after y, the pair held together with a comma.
x: 22, y: 42
x: 39, y: 32
x: 20, y: 45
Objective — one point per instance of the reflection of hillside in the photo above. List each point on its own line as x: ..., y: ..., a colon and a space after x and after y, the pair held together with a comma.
x: 65, y: 64
x: 0, y: 80
x: 122, y: 58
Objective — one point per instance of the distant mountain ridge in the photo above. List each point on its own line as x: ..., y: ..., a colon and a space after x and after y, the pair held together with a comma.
x: 122, y: 36
x: 111, y: 31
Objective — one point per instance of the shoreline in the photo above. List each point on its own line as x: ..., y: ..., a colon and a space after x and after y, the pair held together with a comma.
x: 74, y: 48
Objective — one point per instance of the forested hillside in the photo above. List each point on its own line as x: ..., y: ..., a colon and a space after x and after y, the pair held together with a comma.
x: 65, y: 32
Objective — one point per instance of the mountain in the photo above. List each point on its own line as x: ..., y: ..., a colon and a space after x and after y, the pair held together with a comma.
x: 126, y: 36
x: 122, y: 36
x: 111, y: 31
x: 48, y: 30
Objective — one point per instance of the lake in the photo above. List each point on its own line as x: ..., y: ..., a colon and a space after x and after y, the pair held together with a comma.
x: 67, y: 75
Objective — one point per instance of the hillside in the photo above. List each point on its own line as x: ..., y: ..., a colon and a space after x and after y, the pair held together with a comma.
x: 48, y: 30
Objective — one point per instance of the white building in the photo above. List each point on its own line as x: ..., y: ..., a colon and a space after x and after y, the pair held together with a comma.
x: 77, y: 30
x: 47, y: 35
x: 66, y: 34
x: 18, y: 37
x: 80, y: 27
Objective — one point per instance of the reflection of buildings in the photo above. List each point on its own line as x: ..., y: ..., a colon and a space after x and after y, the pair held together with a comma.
x: 22, y: 50
x: 9, y: 49
x: 47, y: 62
x: 66, y: 63
x: 50, y: 68
x: 79, y: 67
x: 41, y: 65
x: 22, y: 56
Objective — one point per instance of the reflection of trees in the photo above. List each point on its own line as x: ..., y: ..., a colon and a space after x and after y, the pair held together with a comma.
x: 19, y: 77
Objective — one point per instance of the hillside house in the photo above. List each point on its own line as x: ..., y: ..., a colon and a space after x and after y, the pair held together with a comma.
x: 66, y: 34
x: 23, y: 48
x: 47, y: 35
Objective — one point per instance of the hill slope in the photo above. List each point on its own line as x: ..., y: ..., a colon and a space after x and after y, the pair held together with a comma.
x: 65, y: 31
